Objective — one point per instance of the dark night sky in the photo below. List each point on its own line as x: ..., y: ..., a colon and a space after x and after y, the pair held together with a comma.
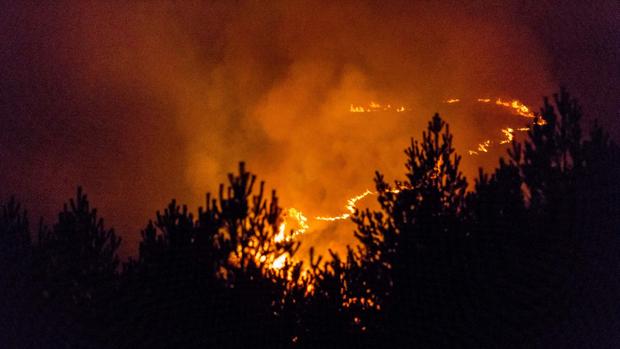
x: 146, y: 101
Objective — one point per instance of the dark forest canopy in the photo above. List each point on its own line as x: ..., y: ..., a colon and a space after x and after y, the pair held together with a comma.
x: 526, y: 256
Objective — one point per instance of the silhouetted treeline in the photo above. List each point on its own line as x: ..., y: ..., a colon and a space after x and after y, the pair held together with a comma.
x: 529, y: 256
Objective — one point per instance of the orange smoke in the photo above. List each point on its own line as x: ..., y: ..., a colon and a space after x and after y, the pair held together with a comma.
x: 295, y: 223
x: 205, y: 86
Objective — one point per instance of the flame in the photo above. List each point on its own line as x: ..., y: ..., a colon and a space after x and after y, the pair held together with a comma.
x: 437, y: 169
x: 301, y: 226
x: 356, y: 109
x: 517, y: 107
x: 295, y: 223
x: 375, y: 107
x: 292, y: 215
x: 302, y: 221
x: 299, y: 222
x: 514, y: 105
x: 280, y: 235
x: 540, y: 121
x: 484, y: 147
x: 350, y: 207
x: 279, y: 262
x: 508, y: 132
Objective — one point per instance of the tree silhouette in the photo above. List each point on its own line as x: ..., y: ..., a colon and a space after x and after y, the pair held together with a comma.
x: 76, y: 270
x: 15, y: 275
x: 413, y: 246
x: 528, y: 257
x: 204, y: 281
x: 78, y: 254
x: 573, y: 207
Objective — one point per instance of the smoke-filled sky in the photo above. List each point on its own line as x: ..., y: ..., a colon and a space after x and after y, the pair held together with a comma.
x: 144, y: 101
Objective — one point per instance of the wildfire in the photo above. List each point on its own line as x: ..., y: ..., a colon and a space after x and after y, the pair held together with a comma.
x: 357, y: 109
x: 437, y: 169
x: 484, y: 146
x: 350, y: 207
x: 508, y: 132
x: 375, y: 107
x: 301, y: 225
x: 295, y: 223
x: 279, y: 262
x: 516, y: 107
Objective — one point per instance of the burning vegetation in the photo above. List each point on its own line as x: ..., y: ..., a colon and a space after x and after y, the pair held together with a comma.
x: 295, y: 223
x: 509, y: 260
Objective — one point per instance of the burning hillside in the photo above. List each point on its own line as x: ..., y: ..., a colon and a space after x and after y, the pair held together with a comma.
x: 295, y: 223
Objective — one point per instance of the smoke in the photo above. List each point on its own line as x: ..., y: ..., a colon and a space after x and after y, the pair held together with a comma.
x: 141, y: 102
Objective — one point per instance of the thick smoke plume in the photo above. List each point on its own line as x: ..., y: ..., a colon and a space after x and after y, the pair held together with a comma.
x: 141, y: 102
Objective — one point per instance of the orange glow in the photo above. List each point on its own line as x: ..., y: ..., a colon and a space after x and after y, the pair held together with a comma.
x: 484, y: 146
x: 295, y: 223
x: 508, y: 132
x: 375, y: 107
x: 296, y: 220
x: 437, y: 169
x: 350, y: 207
x: 279, y: 262
x: 516, y: 107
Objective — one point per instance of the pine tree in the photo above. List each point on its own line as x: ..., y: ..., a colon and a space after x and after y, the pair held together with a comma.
x: 413, y: 246
x: 16, y: 311
x: 76, y: 273
x: 209, y: 280
x: 78, y: 254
